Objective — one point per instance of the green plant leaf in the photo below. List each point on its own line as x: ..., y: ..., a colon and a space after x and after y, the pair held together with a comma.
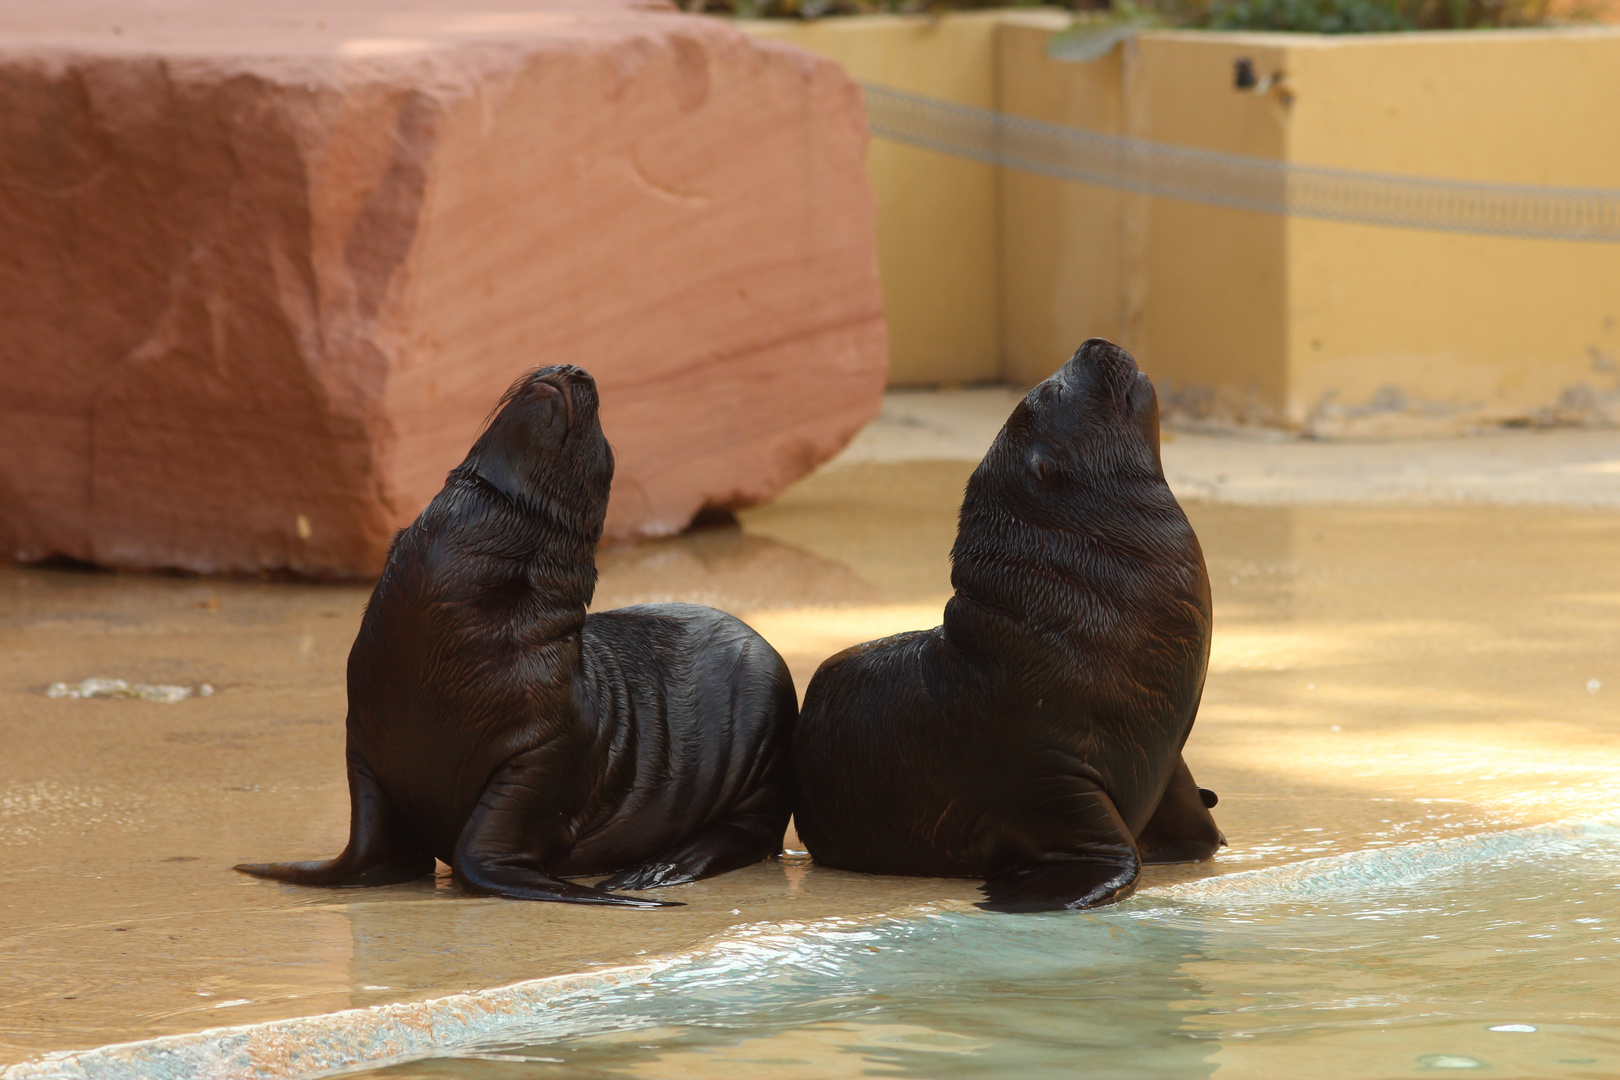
x: 1094, y: 39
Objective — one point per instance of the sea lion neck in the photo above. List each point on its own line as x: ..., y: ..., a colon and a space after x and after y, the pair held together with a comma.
x: 544, y: 521
x: 1034, y: 579
x: 1036, y: 590
x: 486, y: 541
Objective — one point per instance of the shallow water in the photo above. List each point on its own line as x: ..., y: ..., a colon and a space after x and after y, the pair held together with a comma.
x: 1499, y: 954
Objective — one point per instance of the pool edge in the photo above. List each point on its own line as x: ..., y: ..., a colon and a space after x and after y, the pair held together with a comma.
x: 324, y: 1044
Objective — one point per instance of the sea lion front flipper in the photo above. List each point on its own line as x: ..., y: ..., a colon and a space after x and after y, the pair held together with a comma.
x: 1182, y: 829
x: 514, y: 832
x: 715, y: 849
x: 1082, y: 856
x: 379, y: 851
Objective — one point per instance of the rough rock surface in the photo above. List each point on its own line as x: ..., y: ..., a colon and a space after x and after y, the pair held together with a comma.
x: 265, y: 268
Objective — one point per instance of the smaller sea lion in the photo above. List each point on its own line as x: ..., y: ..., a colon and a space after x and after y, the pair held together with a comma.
x: 1035, y: 738
x: 494, y: 725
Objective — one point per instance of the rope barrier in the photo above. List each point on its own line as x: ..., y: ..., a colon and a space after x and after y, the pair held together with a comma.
x: 1241, y: 182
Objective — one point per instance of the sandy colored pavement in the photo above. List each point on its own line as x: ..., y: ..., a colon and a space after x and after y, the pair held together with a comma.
x: 1383, y: 672
x: 1544, y: 466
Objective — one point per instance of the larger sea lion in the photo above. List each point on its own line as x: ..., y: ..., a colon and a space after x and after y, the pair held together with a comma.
x: 494, y: 725
x: 1035, y: 738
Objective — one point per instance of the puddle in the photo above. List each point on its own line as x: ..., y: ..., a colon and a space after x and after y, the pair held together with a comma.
x: 168, y: 693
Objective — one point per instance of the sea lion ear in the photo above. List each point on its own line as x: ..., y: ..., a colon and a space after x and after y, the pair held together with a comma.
x: 1038, y: 465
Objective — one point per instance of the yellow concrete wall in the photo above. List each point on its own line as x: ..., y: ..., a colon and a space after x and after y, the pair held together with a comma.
x: 1062, y: 244
x: 1463, y: 326
x: 1285, y: 320
x: 1197, y: 293
x: 936, y: 231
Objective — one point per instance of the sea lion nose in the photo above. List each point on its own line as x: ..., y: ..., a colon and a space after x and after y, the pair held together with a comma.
x: 1101, y: 353
x: 571, y: 375
x: 1090, y: 352
x: 1100, y: 364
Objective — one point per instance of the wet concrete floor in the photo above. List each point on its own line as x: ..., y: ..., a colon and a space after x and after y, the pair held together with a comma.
x: 1380, y: 675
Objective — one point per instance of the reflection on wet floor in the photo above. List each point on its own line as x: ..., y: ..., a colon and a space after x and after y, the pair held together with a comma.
x: 1379, y: 676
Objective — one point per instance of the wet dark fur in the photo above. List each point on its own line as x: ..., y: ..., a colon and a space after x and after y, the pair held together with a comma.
x: 494, y: 725
x: 1035, y: 738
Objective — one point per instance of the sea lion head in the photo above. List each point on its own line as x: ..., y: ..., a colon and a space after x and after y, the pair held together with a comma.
x: 543, y: 447
x: 1079, y: 456
x: 1093, y: 423
x: 1069, y: 517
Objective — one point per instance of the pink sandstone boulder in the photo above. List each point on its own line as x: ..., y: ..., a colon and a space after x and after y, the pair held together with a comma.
x: 265, y: 267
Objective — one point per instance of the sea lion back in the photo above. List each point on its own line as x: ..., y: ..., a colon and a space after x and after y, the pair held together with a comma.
x: 701, y: 710
x: 876, y: 761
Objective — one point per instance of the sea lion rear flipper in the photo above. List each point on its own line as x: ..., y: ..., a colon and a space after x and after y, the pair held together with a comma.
x: 379, y: 851
x: 1182, y: 828
x: 1060, y: 884
x: 518, y: 881
x: 515, y: 832
x: 715, y: 849
x: 1082, y: 857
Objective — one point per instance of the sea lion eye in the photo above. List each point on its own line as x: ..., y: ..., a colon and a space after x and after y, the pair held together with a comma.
x: 1038, y: 465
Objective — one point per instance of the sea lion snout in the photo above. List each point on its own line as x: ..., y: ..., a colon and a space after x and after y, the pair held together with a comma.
x: 1095, y: 352
x: 1096, y: 415
x: 566, y: 393
x: 572, y: 387
x: 544, y: 440
x: 1112, y: 388
x: 548, y: 389
x: 1100, y: 365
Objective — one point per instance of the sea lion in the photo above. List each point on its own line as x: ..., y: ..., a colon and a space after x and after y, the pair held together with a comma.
x: 494, y: 725
x: 1035, y: 738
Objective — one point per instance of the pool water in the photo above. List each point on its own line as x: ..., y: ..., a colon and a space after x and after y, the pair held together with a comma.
x: 1497, y: 954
